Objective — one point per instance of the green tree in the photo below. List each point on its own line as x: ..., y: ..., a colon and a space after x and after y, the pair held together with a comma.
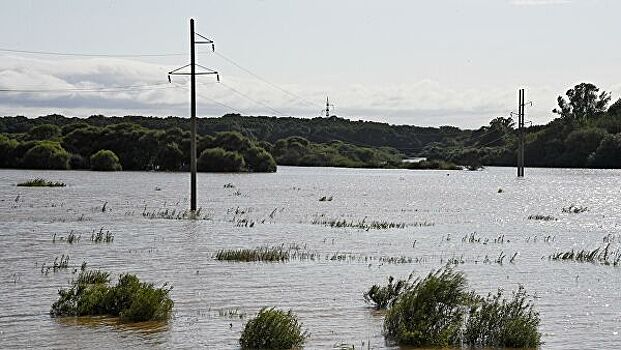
x: 105, y: 160
x: 259, y: 160
x: 46, y: 155
x: 219, y: 160
x: 583, y: 102
x: 44, y: 132
x: 608, y: 153
x: 170, y: 157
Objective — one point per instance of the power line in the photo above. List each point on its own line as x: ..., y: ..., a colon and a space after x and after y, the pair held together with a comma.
x: 264, y: 80
x: 251, y: 99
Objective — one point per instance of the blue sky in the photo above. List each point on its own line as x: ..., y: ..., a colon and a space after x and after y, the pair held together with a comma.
x: 432, y: 63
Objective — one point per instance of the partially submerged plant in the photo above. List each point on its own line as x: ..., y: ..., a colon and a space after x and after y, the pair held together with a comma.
x: 431, y: 312
x: 130, y: 300
x: 273, y: 329
x: 268, y: 254
x: 384, y: 296
x: 497, y: 322
x: 39, y: 182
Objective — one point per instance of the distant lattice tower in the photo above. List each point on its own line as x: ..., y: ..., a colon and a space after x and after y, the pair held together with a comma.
x: 327, y: 109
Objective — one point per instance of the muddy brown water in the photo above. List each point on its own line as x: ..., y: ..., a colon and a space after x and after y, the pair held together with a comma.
x: 579, y: 303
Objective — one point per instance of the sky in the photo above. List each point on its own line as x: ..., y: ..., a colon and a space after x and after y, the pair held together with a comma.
x: 417, y: 62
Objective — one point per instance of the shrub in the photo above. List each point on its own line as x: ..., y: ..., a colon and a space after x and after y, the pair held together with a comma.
x: 105, y: 160
x: 384, y: 296
x: 430, y: 313
x: 257, y: 254
x: 130, y: 299
x: 273, y: 329
x: 259, y: 160
x: 496, y: 322
x: 219, y: 160
x: 44, y: 132
x: 46, y: 155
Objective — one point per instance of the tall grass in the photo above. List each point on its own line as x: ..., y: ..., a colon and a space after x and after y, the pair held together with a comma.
x: 39, y: 182
x: 266, y: 254
x: 599, y: 255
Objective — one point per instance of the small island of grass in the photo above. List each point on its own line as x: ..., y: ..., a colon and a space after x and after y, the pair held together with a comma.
x: 39, y: 182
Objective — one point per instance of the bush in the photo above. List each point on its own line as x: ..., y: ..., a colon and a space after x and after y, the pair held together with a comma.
x: 46, y: 155
x: 384, y: 296
x: 219, y: 160
x: 430, y: 313
x: 130, y: 299
x: 105, y: 160
x: 273, y: 329
x: 259, y: 160
x: 497, y: 322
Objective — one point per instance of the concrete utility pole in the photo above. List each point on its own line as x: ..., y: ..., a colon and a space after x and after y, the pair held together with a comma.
x: 193, y: 74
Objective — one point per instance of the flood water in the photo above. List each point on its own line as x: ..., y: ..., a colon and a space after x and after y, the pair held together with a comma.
x: 579, y: 303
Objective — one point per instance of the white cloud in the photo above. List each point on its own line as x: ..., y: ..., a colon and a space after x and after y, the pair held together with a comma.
x: 539, y: 2
x: 425, y: 102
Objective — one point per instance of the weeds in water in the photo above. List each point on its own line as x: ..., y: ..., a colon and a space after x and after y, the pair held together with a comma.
x: 574, y: 209
x: 101, y: 237
x: 264, y: 254
x: 363, y: 224
x: 542, y: 217
x: 430, y: 312
x: 384, y: 296
x: 39, y: 182
x: 130, y: 299
x: 325, y: 199
x: 474, y: 238
x: 175, y: 214
x: 439, y: 311
x: 229, y: 185
x: 598, y: 255
x: 497, y: 322
x: 70, y: 238
x: 273, y: 329
x: 60, y: 263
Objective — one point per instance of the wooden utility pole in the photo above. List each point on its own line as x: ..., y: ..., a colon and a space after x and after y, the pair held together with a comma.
x: 193, y: 122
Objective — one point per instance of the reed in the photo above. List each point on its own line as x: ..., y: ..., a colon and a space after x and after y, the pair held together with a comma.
x: 603, y: 256
x: 364, y: 224
x: 574, y: 209
x: 39, y: 182
x: 541, y: 217
x: 101, y: 237
x: 262, y: 254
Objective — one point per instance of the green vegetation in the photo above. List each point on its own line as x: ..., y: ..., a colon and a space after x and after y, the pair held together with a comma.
x: 105, y: 160
x: 384, y: 296
x: 130, y: 300
x: 266, y: 254
x: 497, y: 322
x: 586, y: 133
x: 431, y: 312
x: 273, y: 329
x: 597, y: 256
x: 439, y: 311
x: 39, y: 182
x: 219, y: 160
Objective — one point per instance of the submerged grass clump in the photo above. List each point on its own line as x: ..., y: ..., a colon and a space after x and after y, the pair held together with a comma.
x: 130, y: 300
x: 438, y: 310
x: 384, y: 296
x: 541, y: 217
x: 598, y: 255
x: 175, y: 214
x: 574, y: 209
x: 363, y: 224
x: 273, y: 329
x: 39, y: 182
x: 497, y: 322
x: 101, y: 237
x: 266, y: 254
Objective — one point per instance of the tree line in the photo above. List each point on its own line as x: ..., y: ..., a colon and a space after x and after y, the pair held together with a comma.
x: 586, y: 133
